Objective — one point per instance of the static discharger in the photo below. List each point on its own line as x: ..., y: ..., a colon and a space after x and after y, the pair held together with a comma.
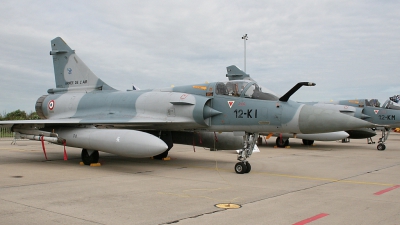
x: 228, y: 206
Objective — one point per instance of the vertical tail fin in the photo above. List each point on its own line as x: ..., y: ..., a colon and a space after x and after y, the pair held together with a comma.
x: 234, y: 73
x: 70, y: 71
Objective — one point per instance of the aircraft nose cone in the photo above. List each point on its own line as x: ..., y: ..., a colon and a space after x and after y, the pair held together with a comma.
x: 318, y: 120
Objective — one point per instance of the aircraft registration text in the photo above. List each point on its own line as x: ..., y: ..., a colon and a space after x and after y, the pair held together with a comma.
x: 387, y: 117
x: 245, y: 114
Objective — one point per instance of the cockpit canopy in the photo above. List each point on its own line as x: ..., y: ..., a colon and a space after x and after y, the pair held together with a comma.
x: 244, y: 89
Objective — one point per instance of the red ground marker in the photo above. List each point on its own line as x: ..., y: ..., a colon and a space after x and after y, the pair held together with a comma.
x: 387, y: 190
x: 319, y: 216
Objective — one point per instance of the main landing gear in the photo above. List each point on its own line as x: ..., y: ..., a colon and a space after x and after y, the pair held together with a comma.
x: 89, y: 156
x: 308, y: 142
x: 282, y: 142
x: 249, y: 141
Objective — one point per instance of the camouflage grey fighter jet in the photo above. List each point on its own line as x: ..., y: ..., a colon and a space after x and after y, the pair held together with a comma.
x: 387, y: 116
x: 282, y: 140
x: 83, y: 111
x: 371, y: 111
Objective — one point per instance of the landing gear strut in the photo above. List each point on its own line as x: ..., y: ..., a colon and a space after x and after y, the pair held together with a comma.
x: 370, y: 141
x: 249, y: 141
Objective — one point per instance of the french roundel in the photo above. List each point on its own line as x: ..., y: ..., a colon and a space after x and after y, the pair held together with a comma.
x: 51, y: 104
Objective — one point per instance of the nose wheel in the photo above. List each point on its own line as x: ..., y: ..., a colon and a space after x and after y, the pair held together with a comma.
x: 381, y: 147
x: 242, y: 167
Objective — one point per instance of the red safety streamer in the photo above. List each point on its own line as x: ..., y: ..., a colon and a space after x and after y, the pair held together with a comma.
x: 194, y: 150
x: 200, y: 138
x: 44, y: 149
x: 65, y: 152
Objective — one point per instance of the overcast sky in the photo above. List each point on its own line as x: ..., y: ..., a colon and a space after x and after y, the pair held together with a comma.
x: 350, y: 49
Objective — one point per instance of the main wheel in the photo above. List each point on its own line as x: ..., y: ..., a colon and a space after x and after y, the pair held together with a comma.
x: 248, y: 167
x: 381, y: 147
x: 308, y: 142
x: 87, y: 158
x: 161, y: 156
x: 240, y: 168
x: 280, y: 143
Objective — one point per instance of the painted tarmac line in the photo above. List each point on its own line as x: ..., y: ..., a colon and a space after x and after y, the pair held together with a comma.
x: 311, y: 219
x: 387, y: 190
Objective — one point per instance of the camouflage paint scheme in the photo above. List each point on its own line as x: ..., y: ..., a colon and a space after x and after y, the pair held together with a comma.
x: 83, y: 111
x: 384, y: 117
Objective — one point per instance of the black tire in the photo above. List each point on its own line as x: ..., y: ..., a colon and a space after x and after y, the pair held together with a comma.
x: 381, y: 147
x: 89, y: 159
x: 281, y: 144
x: 240, y: 168
x: 248, y: 167
x: 161, y: 156
x: 308, y: 142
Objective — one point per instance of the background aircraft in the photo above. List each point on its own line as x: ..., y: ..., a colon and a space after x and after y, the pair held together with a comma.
x: 387, y: 115
x: 83, y: 111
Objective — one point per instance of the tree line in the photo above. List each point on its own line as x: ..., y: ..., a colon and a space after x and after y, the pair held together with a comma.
x: 19, y: 115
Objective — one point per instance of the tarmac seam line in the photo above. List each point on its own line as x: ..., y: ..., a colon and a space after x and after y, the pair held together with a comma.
x: 37, y: 208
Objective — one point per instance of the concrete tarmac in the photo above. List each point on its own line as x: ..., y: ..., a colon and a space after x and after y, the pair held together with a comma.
x: 328, y: 183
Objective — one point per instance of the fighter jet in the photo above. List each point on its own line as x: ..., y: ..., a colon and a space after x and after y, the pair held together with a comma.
x: 385, y: 117
x: 282, y: 139
x: 369, y: 110
x: 83, y: 111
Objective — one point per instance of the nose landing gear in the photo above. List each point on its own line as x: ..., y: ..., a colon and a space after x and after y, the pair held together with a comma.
x: 249, y: 141
x: 381, y: 143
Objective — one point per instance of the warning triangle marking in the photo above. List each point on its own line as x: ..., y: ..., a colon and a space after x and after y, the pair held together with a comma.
x: 230, y: 103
